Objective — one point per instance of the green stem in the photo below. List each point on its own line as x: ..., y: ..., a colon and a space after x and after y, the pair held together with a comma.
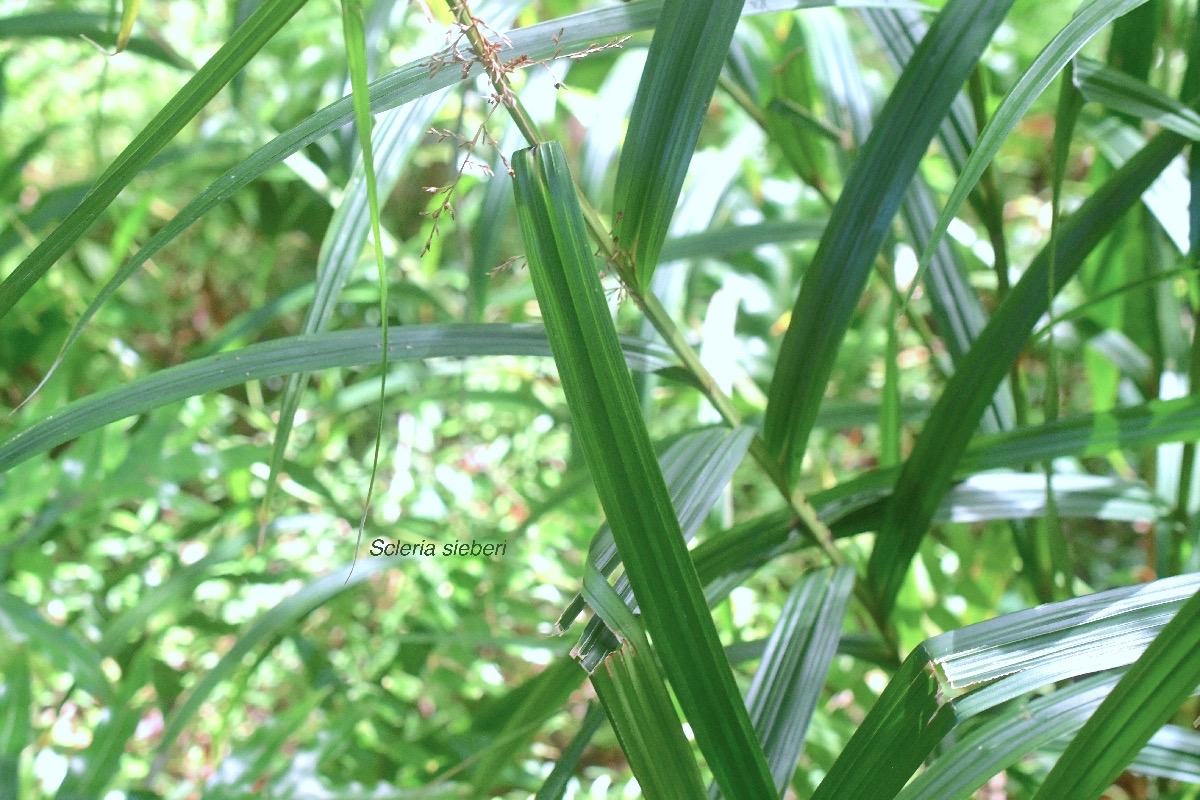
x: 989, y: 205
x: 485, y: 52
x: 747, y: 104
x: 1181, y: 518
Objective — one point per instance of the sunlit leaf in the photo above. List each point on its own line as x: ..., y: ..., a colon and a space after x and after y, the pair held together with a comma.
x: 304, y: 353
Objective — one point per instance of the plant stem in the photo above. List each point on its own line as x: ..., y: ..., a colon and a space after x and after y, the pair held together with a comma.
x: 1181, y: 517
x: 485, y: 52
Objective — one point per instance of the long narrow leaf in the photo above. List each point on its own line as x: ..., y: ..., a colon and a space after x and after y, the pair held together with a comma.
x: 304, y: 353
x: 25, y: 628
x: 1091, y: 17
x: 396, y: 133
x: 74, y: 24
x: 1006, y: 658
x: 220, y: 69
x: 607, y: 416
x: 393, y: 139
x: 859, y: 505
x: 175, y: 590
x: 1018, y: 495
x: 16, y: 706
x: 861, y: 218
x: 1173, y: 752
x: 556, y: 782
x: 1000, y: 742
x: 91, y: 771
x: 417, y: 79
x: 738, y: 238
x: 697, y: 468
x: 956, y: 306
x: 906, y: 723
x: 265, y: 631
x: 1056, y: 641
x: 553, y: 687
x: 1118, y: 143
x: 689, y: 47
x: 633, y: 691
x: 792, y: 673
x: 1120, y: 92
x: 640, y: 712
x: 899, y: 32
x: 356, y: 57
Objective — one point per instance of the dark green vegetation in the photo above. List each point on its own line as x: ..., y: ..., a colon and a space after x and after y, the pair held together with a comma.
x: 820, y: 376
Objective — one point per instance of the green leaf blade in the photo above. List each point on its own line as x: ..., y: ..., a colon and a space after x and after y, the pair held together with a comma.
x: 686, y: 55
x: 303, y: 353
x: 16, y: 708
x: 863, y: 214
x: 23, y: 626
x: 129, y: 12
x: 794, y: 667
x: 266, y: 632
x: 70, y: 25
x: 1000, y: 742
x: 617, y: 448
x: 906, y: 723
x: 1142, y: 702
x: 1128, y: 95
x: 634, y: 696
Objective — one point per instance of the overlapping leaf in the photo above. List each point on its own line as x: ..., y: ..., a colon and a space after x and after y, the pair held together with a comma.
x: 70, y: 24
x: 1141, y: 703
x: 1006, y: 658
x: 304, y: 353
x: 930, y: 468
x: 220, y: 69
x: 1090, y: 19
x: 791, y: 676
x: 607, y: 417
x: 863, y: 214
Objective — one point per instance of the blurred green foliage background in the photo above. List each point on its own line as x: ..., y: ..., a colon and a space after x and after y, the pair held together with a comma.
x: 151, y: 648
